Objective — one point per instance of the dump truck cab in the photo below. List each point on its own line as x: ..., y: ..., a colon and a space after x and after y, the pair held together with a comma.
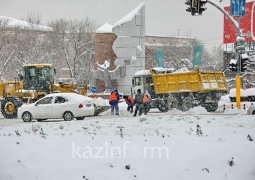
x: 143, y: 80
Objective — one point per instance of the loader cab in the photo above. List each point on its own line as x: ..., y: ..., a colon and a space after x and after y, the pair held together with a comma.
x: 37, y: 77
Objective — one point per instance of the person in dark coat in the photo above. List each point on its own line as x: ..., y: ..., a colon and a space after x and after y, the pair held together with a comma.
x: 130, y: 102
x: 114, y: 101
x: 145, y: 106
x: 138, y: 101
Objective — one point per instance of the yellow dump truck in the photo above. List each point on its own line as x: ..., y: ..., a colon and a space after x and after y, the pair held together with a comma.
x: 170, y: 89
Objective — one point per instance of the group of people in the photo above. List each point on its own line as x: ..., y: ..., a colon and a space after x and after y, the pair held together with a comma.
x: 141, y: 102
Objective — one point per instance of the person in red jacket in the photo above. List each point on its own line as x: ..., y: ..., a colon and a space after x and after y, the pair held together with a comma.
x: 114, y: 101
x: 130, y: 102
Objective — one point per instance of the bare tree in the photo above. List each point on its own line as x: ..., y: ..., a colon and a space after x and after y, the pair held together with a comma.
x: 9, y: 45
x: 74, y: 39
x: 34, y: 18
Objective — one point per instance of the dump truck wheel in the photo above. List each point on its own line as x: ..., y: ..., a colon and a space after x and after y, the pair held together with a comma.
x: 187, y: 103
x: 211, y: 107
x: 162, y: 107
x: 9, y: 107
x: 173, y: 102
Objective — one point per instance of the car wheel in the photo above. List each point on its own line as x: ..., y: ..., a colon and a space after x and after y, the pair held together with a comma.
x: 80, y: 118
x: 27, y: 117
x: 253, y: 113
x: 68, y: 116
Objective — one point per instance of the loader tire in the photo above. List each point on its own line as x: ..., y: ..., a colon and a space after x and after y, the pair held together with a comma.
x: 9, y: 107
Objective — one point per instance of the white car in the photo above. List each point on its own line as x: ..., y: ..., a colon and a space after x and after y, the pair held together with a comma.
x: 65, y: 106
x: 251, y: 110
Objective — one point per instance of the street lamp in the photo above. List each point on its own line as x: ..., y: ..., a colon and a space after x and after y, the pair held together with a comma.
x: 192, y: 51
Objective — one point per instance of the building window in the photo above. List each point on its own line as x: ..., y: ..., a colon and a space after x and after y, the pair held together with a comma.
x: 127, y: 61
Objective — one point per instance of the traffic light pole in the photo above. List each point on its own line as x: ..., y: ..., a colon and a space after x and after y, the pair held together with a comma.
x: 235, y: 24
x: 238, y: 55
x: 238, y: 74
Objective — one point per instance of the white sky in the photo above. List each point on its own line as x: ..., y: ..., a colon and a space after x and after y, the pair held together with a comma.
x: 163, y: 17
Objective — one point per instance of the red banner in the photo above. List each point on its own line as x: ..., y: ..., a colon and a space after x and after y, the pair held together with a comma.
x: 247, y: 25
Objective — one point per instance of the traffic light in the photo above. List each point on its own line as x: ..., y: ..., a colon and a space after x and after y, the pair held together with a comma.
x: 240, y: 45
x: 188, y: 3
x: 192, y: 6
x: 233, y: 65
x: 244, y: 59
x: 196, y: 6
x: 201, y: 6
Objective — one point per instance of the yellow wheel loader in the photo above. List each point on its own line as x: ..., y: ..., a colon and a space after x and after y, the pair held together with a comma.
x: 35, y: 82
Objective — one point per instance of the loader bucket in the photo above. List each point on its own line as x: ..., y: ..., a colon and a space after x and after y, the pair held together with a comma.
x: 100, y: 109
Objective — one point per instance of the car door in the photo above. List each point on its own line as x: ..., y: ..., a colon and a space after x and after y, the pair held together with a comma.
x: 43, y: 108
x: 59, y: 106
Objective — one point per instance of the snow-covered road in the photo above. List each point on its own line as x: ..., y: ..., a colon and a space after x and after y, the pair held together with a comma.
x: 194, y: 145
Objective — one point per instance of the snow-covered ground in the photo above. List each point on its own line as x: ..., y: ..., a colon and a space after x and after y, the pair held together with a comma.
x: 157, y: 146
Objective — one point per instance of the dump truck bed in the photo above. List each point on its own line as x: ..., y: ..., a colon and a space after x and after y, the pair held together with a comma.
x: 192, y: 81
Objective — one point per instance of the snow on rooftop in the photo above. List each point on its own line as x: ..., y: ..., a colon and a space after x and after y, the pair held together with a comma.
x: 142, y: 72
x: 250, y: 92
x: 129, y: 16
x: 106, y: 28
x: 11, y: 22
x: 160, y: 69
x: 244, y: 93
x: 156, y: 69
x: 181, y: 70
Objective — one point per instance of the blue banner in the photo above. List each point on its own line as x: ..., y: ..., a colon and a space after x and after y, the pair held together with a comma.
x: 160, y: 58
x: 237, y: 7
x: 198, y: 52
